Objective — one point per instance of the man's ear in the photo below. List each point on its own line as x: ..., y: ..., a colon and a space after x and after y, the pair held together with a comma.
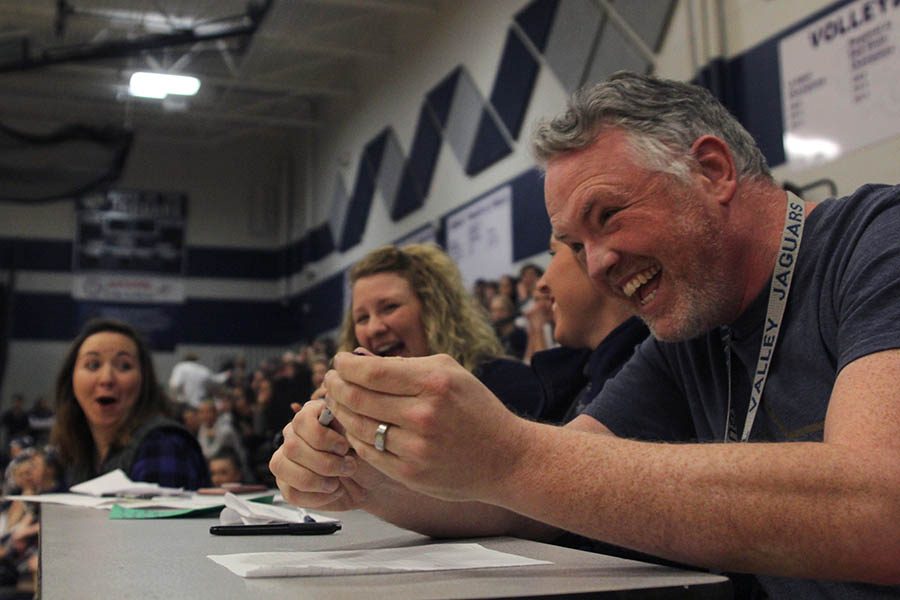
x: 718, y: 175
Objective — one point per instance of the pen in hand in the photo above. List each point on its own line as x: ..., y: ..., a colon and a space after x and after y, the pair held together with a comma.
x: 326, y: 417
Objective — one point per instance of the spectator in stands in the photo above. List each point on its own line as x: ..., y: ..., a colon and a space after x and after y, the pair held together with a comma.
x: 539, y: 323
x: 324, y: 346
x: 506, y: 287
x: 262, y: 389
x: 187, y: 383
x: 18, y: 444
x: 40, y: 420
x: 259, y: 373
x: 187, y: 416
x: 110, y: 413
x: 32, y: 472
x: 319, y: 368
x: 17, y: 447
x: 484, y: 291
x: 244, y: 418
x: 292, y: 383
x: 528, y: 277
x: 14, y: 421
x: 191, y: 381
x: 411, y: 301
x: 263, y: 396
x: 237, y: 373
x: 304, y: 353
x: 216, y: 431
x: 224, y: 399
x: 513, y: 338
x: 225, y: 467
x: 529, y: 274
x: 244, y: 421
x: 478, y: 291
x: 491, y: 291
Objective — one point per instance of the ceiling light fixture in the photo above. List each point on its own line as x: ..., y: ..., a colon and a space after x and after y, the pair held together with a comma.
x: 160, y: 85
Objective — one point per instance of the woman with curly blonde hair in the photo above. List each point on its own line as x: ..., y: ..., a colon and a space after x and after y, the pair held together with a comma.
x: 411, y: 301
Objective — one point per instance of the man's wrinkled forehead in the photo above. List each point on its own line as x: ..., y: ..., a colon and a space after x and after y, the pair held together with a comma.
x: 567, y: 214
x: 569, y: 175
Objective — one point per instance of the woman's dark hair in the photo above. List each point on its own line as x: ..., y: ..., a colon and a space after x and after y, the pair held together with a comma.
x: 71, y: 435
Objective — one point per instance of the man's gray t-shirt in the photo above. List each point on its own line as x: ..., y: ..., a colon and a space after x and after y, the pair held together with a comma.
x: 844, y: 304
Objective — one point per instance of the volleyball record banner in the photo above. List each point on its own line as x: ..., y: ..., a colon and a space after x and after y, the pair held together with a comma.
x: 479, y: 236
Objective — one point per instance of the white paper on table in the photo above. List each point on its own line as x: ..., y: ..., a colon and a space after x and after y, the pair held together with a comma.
x: 430, y: 557
x: 181, y: 502
x: 68, y: 499
x: 117, y: 483
x: 240, y: 510
x: 192, y: 501
x: 107, y: 502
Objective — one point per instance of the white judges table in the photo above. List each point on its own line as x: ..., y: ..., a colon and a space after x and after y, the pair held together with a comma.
x: 86, y: 555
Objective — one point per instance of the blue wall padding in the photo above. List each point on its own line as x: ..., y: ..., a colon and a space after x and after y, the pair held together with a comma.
x: 318, y: 309
x: 755, y: 95
x: 43, y: 316
x: 363, y: 190
x: 489, y: 145
x: 419, y: 168
x: 409, y: 195
x: 233, y: 262
x: 315, y: 245
x: 530, y: 224
x: 319, y: 242
x: 514, y: 84
x: 224, y: 322
x: 536, y: 19
x: 160, y: 324
x: 440, y: 98
x: 35, y: 255
x: 374, y: 151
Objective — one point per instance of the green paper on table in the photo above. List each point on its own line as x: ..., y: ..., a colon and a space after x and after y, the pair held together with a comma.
x: 123, y: 512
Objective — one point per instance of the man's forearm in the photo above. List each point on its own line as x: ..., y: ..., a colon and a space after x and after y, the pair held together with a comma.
x: 444, y: 519
x: 811, y: 510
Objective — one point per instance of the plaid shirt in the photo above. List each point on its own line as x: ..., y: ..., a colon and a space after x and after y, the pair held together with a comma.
x: 171, y: 459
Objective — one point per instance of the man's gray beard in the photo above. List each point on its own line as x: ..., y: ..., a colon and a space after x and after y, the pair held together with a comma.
x: 711, y: 312
x: 689, y: 330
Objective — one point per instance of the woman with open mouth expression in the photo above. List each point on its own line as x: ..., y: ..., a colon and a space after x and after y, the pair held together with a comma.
x: 411, y: 301
x: 110, y: 413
